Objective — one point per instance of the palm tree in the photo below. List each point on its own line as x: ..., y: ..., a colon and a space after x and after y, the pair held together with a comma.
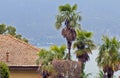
x: 109, y: 56
x: 59, y: 52
x: 70, y: 18
x: 84, y: 46
x: 102, y: 75
x: 44, y: 60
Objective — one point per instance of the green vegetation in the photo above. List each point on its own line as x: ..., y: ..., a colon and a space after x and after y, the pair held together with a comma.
x: 12, y: 31
x: 100, y: 74
x: 84, y: 46
x: 109, y: 56
x: 84, y: 75
x: 53, y: 64
x: 2, y: 28
x: 68, y: 16
x: 47, y: 56
x: 44, y: 60
x: 4, y: 70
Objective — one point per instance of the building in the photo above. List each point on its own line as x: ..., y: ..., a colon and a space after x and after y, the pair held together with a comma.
x: 19, y: 56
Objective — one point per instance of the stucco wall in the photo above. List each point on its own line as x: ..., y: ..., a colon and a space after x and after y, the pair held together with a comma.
x: 24, y: 74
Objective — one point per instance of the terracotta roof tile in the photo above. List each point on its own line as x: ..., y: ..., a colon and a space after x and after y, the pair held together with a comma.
x: 20, y: 53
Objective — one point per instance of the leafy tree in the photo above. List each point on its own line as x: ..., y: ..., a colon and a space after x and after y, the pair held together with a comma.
x: 25, y: 40
x: 19, y: 36
x: 84, y: 46
x: 47, y: 56
x: 4, y: 70
x: 59, y: 52
x: 68, y: 16
x: 2, y: 28
x: 11, y: 30
x: 109, y: 55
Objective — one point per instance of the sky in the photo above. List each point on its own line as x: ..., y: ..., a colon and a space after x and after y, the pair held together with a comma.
x: 35, y: 19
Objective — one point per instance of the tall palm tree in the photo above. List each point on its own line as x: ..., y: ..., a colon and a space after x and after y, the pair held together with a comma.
x: 84, y: 46
x: 109, y: 56
x: 70, y: 19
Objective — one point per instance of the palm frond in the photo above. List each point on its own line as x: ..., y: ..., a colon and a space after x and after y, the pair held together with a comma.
x: 68, y: 13
x: 74, y: 7
x: 58, y: 51
x: 108, y: 53
x: 79, y: 52
x: 65, y: 7
x: 62, y: 48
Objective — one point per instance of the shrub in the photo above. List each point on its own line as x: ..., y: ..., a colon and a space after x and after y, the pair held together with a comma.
x: 4, y: 70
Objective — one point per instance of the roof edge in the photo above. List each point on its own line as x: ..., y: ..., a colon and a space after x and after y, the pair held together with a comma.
x: 8, y: 35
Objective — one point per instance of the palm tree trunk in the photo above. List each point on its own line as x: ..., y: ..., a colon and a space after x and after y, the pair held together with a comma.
x: 69, y: 43
x: 110, y: 74
x: 45, y: 74
x: 82, y: 70
x: 104, y: 76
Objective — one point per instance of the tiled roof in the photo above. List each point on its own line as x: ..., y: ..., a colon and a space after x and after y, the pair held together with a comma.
x: 20, y: 53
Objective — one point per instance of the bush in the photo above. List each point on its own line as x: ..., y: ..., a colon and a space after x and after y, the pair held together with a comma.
x: 66, y: 68
x: 4, y: 70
